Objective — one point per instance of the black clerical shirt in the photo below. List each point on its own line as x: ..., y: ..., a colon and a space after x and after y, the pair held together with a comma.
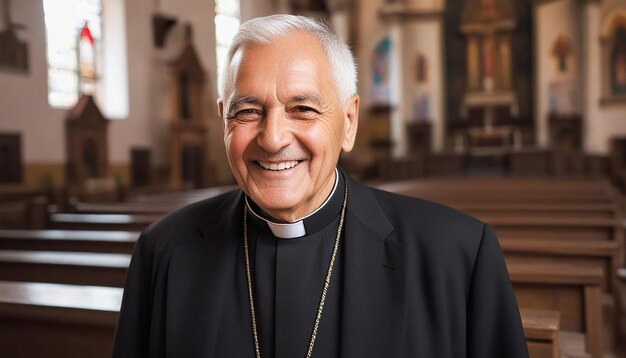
x: 288, y: 278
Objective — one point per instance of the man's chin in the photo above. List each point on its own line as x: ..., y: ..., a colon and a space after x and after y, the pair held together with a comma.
x: 276, y: 204
x: 279, y: 206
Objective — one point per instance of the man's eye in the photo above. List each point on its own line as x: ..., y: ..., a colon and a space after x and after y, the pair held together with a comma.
x: 305, y: 109
x: 248, y: 113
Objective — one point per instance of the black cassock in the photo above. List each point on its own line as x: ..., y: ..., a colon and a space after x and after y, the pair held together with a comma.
x: 413, y: 279
x: 289, y: 277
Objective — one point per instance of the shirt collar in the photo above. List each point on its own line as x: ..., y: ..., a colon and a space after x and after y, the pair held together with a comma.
x: 308, y: 224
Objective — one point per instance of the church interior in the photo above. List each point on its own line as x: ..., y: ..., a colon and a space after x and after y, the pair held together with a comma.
x: 513, y: 111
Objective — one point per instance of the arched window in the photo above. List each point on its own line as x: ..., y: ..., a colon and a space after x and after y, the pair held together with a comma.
x: 73, y: 38
x: 84, y: 56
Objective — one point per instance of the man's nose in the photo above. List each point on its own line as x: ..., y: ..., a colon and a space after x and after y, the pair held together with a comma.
x: 274, y: 134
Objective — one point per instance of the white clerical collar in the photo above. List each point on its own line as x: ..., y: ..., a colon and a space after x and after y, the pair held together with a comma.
x: 296, y: 228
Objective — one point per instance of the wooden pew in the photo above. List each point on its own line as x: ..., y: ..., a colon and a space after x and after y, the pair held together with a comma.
x: 570, y: 238
x: 121, y: 242
x: 604, y: 254
x: 577, y: 223
x: 13, y: 215
x: 148, y: 204
x: 572, y: 290
x: 581, y: 214
x: 64, y: 267
x: 123, y: 208
x: 182, y: 197
x: 54, y: 320
x: 17, y: 192
x: 542, y: 328
x: 59, y: 320
x: 28, y: 213
x: 115, y: 222
x: 506, y: 190
x: 604, y: 209
x: 569, y: 228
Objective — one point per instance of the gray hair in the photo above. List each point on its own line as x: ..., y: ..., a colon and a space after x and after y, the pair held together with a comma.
x: 271, y: 28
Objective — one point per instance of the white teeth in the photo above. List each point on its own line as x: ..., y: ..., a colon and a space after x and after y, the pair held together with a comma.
x: 278, y: 166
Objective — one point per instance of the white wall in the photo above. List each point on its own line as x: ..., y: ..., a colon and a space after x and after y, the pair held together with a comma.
x: 24, y: 97
x: 113, y: 87
x: 135, y: 130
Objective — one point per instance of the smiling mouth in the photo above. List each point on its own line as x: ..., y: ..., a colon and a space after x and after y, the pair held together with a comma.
x: 278, y: 166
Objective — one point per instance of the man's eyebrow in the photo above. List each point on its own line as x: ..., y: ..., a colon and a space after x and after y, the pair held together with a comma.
x: 307, y: 98
x: 235, y: 101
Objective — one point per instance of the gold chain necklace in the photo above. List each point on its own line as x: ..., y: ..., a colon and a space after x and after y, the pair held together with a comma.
x: 329, y: 274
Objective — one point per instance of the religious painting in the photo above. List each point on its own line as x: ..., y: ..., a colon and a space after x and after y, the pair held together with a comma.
x: 381, y: 63
x: 562, y: 50
x: 489, y: 51
x: 618, y: 61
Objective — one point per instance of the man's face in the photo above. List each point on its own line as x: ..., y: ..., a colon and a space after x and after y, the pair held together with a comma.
x: 284, y: 127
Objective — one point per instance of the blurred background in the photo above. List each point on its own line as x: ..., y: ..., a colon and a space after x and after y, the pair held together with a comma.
x: 511, y: 110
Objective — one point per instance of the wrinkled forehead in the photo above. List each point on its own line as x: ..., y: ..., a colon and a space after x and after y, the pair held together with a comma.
x: 296, y: 58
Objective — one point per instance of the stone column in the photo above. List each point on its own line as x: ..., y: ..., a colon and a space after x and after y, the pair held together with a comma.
x: 591, y: 74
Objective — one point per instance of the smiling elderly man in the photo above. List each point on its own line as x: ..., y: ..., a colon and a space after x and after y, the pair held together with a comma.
x: 304, y: 261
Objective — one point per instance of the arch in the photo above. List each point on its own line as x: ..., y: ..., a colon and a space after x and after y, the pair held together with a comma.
x: 612, y: 22
x: 613, y: 39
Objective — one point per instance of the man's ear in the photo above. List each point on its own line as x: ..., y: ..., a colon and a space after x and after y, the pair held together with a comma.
x: 351, y: 117
x: 220, y: 110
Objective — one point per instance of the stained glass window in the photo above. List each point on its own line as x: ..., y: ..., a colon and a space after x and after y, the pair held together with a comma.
x: 65, y: 32
x: 226, y: 26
